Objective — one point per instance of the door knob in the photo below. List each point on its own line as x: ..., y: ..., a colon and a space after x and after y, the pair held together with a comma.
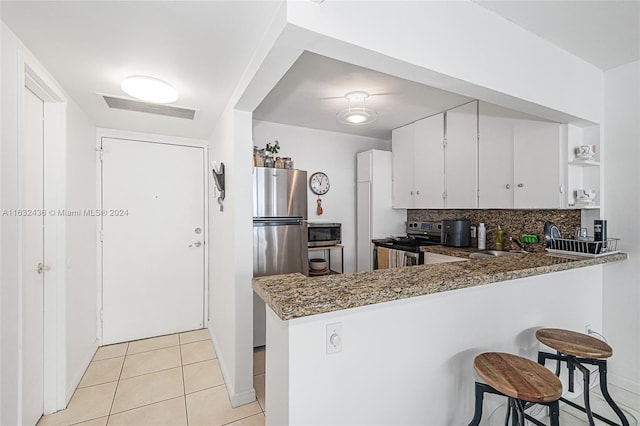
x: 520, y: 185
x: 508, y: 186
x: 196, y: 244
x: 42, y: 268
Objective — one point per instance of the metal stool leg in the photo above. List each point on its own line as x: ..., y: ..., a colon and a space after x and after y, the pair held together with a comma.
x: 508, y: 414
x: 477, y: 415
x: 585, y: 392
x: 602, y: 368
x: 554, y: 413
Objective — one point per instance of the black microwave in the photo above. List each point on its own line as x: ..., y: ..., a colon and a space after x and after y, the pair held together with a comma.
x: 322, y: 234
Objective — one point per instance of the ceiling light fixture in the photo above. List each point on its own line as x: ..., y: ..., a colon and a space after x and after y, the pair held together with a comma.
x: 357, y: 114
x: 149, y: 89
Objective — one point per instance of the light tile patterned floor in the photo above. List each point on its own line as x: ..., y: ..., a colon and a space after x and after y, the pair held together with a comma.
x: 175, y: 380
x: 170, y: 380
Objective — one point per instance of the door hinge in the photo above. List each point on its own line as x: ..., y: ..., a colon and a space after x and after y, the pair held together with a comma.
x: 101, y: 235
x: 100, y: 154
x: 444, y: 195
x: 101, y: 315
x: 444, y: 142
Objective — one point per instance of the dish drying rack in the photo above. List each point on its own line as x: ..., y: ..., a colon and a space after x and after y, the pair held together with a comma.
x: 583, y: 247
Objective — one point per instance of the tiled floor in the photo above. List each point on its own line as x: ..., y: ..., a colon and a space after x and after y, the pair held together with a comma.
x: 170, y: 380
x: 175, y: 380
x: 628, y: 402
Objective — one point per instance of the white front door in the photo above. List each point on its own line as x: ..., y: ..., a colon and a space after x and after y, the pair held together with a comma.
x: 153, y: 219
x: 33, y: 255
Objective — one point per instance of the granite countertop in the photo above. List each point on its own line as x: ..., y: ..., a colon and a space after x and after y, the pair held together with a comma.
x: 293, y: 296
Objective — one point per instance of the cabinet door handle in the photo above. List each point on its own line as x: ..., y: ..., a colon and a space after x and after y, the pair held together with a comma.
x: 417, y: 192
x: 411, y: 192
x: 508, y: 186
x: 520, y: 185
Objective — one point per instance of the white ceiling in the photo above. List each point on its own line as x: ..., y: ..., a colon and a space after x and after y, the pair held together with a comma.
x: 312, y: 93
x: 605, y: 33
x: 202, y: 47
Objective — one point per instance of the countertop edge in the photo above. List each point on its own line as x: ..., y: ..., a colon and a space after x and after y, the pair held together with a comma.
x: 293, y: 296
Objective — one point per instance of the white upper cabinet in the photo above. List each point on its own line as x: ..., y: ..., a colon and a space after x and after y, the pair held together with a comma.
x: 418, y: 164
x: 402, y: 142
x: 461, y: 157
x: 495, y: 154
x: 520, y: 161
x: 536, y: 171
x: 429, y: 162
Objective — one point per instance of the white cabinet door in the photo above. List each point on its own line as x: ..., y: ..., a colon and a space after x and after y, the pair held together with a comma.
x: 403, y: 166
x: 429, y: 162
x: 461, y: 157
x: 536, y: 149
x: 495, y: 160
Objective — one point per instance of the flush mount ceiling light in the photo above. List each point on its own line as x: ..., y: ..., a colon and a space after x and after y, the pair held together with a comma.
x: 149, y: 89
x: 357, y: 113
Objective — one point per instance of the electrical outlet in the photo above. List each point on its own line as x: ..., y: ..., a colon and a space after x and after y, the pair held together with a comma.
x: 473, y: 232
x: 587, y: 329
x: 334, y: 338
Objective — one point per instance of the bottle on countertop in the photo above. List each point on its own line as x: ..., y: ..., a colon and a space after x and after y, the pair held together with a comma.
x: 499, y: 238
x: 482, y: 237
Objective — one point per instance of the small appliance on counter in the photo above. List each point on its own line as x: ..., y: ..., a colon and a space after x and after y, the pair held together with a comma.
x: 324, y: 234
x: 456, y: 233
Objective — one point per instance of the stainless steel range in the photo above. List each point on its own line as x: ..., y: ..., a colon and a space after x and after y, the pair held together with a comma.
x: 405, y: 251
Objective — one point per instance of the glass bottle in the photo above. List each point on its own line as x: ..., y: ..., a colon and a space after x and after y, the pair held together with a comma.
x: 288, y: 162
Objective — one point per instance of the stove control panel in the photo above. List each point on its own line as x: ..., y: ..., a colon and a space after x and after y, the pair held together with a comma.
x: 424, y: 228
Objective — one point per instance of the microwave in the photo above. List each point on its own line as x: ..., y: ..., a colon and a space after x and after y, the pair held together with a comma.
x: 323, y: 234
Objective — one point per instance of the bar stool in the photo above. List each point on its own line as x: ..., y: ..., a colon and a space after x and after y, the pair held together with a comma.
x: 522, y: 381
x: 577, y: 349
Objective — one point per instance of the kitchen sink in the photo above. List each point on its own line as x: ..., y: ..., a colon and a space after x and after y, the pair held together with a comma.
x: 486, y: 254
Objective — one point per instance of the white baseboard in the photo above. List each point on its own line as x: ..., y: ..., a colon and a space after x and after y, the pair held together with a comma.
x: 624, y: 383
x: 237, y: 399
x: 75, y: 381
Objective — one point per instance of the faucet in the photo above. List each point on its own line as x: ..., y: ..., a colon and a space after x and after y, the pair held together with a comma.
x: 518, y: 243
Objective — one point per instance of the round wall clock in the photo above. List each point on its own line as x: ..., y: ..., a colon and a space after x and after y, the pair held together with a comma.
x: 319, y: 183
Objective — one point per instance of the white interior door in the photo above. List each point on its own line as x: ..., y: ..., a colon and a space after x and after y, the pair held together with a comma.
x: 33, y: 255
x: 153, y: 239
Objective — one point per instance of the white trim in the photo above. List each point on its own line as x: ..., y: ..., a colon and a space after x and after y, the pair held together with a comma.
x: 75, y: 380
x: 149, y: 137
x: 237, y: 399
x: 31, y: 74
x: 162, y: 139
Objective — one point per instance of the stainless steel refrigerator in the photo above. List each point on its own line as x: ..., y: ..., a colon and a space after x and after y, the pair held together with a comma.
x: 279, y: 231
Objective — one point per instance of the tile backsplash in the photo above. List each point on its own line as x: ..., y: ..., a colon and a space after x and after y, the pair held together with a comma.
x: 513, y: 222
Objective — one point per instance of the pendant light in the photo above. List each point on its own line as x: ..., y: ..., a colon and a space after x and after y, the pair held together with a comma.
x: 357, y: 114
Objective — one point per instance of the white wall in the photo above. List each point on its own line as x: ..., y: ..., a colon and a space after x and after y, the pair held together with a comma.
x: 334, y: 154
x: 458, y: 46
x: 81, y: 242
x: 622, y: 200
x: 230, y: 255
x: 77, y: 297
x: 9, y: 240
x: 410, y: 362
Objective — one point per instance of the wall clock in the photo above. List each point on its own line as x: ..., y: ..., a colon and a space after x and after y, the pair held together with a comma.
x: 319, y: 183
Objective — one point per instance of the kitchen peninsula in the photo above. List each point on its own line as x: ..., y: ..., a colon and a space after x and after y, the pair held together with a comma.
x: 408, y: 335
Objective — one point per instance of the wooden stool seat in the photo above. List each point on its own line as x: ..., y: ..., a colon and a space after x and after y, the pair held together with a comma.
x: 518, y: 377
x: 572, y: 343
x: 523, y: 382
